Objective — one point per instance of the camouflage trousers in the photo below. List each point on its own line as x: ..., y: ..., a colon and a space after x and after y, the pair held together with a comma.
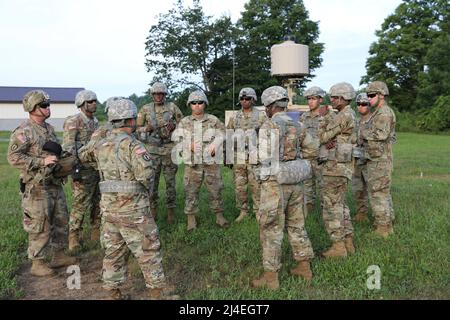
x: 312, y: 186
x: 164, y: 163
x: 379, y: 177
x: 359, y: 188
x: 45, y: 219
x: 244, y: 177
x: 86, y: 201
x: 134, y: 232
x: 193, y: 179
x: 336, y: 213
x: 281, y: 208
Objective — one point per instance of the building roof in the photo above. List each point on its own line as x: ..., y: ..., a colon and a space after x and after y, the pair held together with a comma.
x: 15, y: 94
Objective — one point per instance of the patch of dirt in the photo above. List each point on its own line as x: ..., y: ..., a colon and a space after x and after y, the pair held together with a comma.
x: 56, y: 287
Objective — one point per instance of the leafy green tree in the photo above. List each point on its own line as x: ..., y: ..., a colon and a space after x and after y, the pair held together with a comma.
x: 399, y: 55
x: 265, y: 23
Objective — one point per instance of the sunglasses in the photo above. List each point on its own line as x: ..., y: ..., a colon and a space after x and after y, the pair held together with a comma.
x: 334, y: 97
x: 372, y: 95
x: 197, y: 102
x: 246, y: 98
x: 91, y: 101
x: 44, y: 105
x: 362, y: 104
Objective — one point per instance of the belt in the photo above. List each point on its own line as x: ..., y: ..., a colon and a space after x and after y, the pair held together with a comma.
x: 109, y: 186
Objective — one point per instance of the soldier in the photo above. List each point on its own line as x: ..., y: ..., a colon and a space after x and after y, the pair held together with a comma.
x: 359, y: 181
x: 127, y: 173
x: 156, y: 121
x: 281, y: 205
x: 311, y: 121
x: 337, y: 136
x: 44, y: 206
x: 378, y: 135
x: 248, y: 118
x: 194, y: 128
x: 78, y: 130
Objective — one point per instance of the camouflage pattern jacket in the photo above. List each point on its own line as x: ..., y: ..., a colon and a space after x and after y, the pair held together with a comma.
x: 126, y: 171
x: 341, y: 129
x: 378, y: 134
x: 25, y: 153
x: 312, y: 124
x: 157, y: 141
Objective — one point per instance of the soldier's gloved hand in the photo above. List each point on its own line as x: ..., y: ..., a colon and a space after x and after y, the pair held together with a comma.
x: 331, y: 144
x: 49, y: 160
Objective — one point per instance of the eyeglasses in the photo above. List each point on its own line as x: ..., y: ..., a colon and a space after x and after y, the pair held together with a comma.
x: 246, y: 98
x: 91, y: 101
x: 372, y: 95
x: 197, y: 102
x: 44, y: 105
x: 364, y: 104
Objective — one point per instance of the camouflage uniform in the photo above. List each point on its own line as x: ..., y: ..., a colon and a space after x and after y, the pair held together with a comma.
x: 337, y: 171
x: 196, y: 173
x: 311, y: 186
x: 45, y: 216
x: 243, y: 173
x: 78, y: 130
x: 378, y: 135
x: 158, y: 116
x: 127, y: 173
x: 359, y: 180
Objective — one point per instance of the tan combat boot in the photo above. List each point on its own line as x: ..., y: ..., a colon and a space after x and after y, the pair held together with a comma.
x: 170, y: 215
x: 40, y: 269
x: 303, y: 270
x: 221, y: 221
x: 60, y: 259
x: 192, y: 223
x: 383, y: 231
x: 95, y: 234
x: 153, y: 212
x: 269, y: 279
x: 74, y: 241
x: 242, y: 215
x: 163, y: 294
x: 361, y: 217
x: 349, y: 244
x: 337, y: 250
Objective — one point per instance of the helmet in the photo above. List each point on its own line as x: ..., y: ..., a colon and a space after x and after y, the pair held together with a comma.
x: 33, y: 98
x: 83, y: 96
x: 344, y: 90
x: 378, y: 87
x: 362, y: 98
x: 314, y: 92
x: 197, y: 96
x: 273, y: 94
x: 158, y: 87
x: 248, y: 92
x: 121, y: 109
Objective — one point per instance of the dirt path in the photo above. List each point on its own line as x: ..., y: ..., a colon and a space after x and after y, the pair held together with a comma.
x: 90, y: 263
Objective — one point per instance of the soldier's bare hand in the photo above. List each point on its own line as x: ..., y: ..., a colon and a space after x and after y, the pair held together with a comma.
x: 49, y: 160
x: 212, y: 150
x: 149, y: 128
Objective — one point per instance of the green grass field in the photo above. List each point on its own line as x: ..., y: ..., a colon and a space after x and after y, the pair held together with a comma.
x: 212, y: 263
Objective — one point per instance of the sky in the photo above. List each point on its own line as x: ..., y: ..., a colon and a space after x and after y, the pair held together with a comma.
x: 100, y: 45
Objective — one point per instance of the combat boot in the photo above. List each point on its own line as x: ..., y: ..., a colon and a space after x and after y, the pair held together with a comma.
x: 165, y: 293
x: 40, y: 269
x: 153, y: 212
x: 221, y: 221
x: 242, y: 215
x: 170, y: 215
x: 192, y: 223
x: 95, y: 234
x: 303, y: 270
x: 349, y: 244
x: 269, y: 279
x: 361, y: 217
x: 60, y: 259
x: 337, y: 250
x: 383, y: 231
x: 74, y: 241
x: 116, y: 294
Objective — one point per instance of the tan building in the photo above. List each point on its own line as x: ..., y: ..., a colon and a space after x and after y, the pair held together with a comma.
x: 11, y: 111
